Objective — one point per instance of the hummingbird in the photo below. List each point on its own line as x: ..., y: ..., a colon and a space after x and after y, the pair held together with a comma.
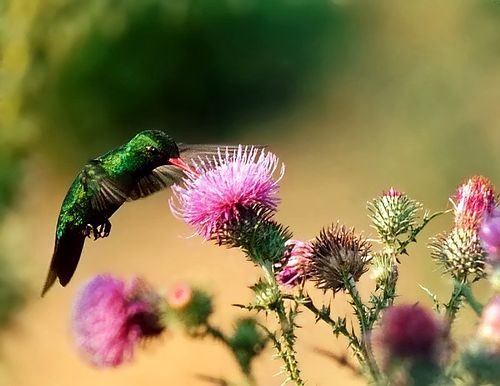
x: 149, y: 162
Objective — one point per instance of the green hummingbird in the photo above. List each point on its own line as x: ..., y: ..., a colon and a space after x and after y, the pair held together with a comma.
x: 149, y: 162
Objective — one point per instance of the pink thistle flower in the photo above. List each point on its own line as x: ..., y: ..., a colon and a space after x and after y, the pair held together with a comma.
x: 294, y: 266
x: 409, y: 331
x: 180, y: 296
x: 473, y: 200
x: 489, y: 232
x: 214, y: 196
x: 392, y: 192
x: 111, y: 317
x: 489, y: 326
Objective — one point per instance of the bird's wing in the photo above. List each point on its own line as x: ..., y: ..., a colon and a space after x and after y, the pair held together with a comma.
x: 210, y: 153
x: 160, y: 178
x: 106, y: 192
x: 164, y: 176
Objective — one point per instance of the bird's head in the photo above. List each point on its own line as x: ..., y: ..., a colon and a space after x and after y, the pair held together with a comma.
x: 153, y: 148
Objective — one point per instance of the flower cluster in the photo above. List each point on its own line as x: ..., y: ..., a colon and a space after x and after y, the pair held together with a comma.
x: 460, y: 251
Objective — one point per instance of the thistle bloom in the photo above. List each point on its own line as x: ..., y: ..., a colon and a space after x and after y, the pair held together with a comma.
x: 294, y: 266
x: 461, y: 251
x: 473, y: 200
x: 338, y: 255
x: 111, y: 317
x: 214, y: 196
x: 489, y: 233
x: 409, y: 331
x: 489, y: 326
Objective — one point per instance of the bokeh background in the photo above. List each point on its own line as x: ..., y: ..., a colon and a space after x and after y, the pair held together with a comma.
x: 353, y: 96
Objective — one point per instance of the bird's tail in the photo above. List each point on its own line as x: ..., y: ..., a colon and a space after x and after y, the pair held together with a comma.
x: 66, y: 255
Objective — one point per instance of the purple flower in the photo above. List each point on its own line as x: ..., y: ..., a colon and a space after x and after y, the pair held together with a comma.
x: 473, y: 200
x: 409, y: 331
x: 111, y: 317
x: 294, y: 266
x: 219, y: 190
x: 489, y: 232
x: 489, y: 326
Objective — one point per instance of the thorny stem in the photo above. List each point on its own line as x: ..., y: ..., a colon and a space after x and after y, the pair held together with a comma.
x: 413, y: 235
x: 285, y: 343
x: 360, y: 311
x: 337, y: 328
x: 461, y: 291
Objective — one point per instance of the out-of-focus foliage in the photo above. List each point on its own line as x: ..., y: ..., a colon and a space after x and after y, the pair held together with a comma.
x: 16, y: 139
x: 197, y: 68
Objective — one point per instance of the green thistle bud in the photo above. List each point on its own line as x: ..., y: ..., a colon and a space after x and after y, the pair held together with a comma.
x: 190, y: 307
x: 260, y: 237
x: 393, y: 214
x: 247, y: 342
x: 460, y: 253
x: 266, y: 296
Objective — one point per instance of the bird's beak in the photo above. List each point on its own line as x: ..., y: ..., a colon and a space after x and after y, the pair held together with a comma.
x: 183, y: 165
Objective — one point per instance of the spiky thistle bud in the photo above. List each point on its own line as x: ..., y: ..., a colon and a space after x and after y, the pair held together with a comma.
x: 409, y: 332
x: 393, y: 214
x: 247, y: 342
x: 338, y: 255
x: 189, y: 306
x: 460, y: 254
x: 460, y: 251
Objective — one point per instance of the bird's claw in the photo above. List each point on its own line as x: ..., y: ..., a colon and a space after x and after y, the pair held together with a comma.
x: 99, y: 231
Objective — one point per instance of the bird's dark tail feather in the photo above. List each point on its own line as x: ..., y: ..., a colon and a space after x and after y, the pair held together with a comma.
x: 65, y: 258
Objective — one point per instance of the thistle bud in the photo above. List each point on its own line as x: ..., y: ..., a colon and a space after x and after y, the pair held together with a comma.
x: 393, y: 214
x: 338, y: 254
x: 247, y: 342
x: 409, y: 332
x: 188, y: 306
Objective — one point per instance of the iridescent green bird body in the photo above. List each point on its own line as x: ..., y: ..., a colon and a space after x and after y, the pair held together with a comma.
x: 149, y: 162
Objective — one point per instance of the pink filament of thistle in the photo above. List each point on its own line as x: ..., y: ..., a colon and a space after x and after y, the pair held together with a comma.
x: 213, y: 195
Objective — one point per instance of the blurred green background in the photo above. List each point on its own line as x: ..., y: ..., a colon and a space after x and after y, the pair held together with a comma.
x: 353, y: 96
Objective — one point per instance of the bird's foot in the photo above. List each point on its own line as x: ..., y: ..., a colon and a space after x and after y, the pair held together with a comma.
x: 102, y: 230
x: 89, y: 229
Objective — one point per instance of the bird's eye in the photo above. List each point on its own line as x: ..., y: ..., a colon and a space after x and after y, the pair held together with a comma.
x: 152, y: 150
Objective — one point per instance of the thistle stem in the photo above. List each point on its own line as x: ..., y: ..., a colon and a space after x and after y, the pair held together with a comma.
x: 285, y: 344
x: 361, y: 313
x: 412, y: 237
x: 337, y: 328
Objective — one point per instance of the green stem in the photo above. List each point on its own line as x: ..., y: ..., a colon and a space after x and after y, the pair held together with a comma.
x: 453, y: 304
x: 360, y: 311
x: 285, y: 346
x: 337, y: 328
x: 471, y: 300
x: 412, y: 237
